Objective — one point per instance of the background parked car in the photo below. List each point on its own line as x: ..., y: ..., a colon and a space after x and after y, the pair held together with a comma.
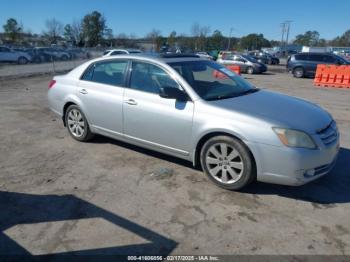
x: 246, y: 63
x: 205, y: 55
x: 305, y: 64
x: 265, y: 58
x: 55, y: 54
x: 77, y: 53
x: 113, y: 52
x: 13, y: 56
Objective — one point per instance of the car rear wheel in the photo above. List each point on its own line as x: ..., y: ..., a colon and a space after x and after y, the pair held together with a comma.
x: 22, y: 60
x: 250, y: 70
x: 228, y: 162
x: 298, y: 72
x: 77, y: 124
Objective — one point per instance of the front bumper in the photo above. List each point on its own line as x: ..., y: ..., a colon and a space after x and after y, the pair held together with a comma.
x: 293, y: 166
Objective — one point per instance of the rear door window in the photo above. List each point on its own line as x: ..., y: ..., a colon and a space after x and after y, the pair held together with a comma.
x: 301, y: 57
x: 316, y: 58
x: 110, y: 73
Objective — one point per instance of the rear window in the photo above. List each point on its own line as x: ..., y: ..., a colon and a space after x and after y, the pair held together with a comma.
x: 118, y: 53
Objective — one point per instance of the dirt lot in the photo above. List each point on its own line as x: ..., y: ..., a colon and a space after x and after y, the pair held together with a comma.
x: 61, y: 196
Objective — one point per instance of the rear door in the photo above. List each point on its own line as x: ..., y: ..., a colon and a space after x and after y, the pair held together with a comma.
x: 101, y: 92
x: 151, y: 120
x: 314, y: 60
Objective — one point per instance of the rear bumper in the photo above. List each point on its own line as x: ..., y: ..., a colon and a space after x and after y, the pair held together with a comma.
x: 293, y: 166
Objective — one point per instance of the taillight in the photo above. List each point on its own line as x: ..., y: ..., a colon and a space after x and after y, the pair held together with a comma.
x: 52, y: 83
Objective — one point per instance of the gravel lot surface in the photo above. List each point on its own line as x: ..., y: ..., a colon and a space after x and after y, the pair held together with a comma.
x: 61, y: 196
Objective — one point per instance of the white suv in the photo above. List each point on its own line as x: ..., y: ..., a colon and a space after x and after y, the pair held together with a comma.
x: 113, y: 52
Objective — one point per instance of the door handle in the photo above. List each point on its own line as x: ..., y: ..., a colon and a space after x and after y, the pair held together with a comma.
x: 83, y: 91
x: 131, y: 102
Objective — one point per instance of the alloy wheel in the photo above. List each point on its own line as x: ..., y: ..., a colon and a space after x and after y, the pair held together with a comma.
x: 224, y: 163
x: 76, y: 123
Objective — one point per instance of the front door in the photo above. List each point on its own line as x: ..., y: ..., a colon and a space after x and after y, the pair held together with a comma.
x: 152, y: 120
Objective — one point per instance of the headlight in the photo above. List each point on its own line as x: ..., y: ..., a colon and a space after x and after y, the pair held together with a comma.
x: 294, y: 138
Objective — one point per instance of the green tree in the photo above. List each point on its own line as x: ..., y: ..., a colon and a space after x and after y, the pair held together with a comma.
x: 68, y: 32
x: 254, y: 42
x: 216, y: 41
x: 275, y: 43
x: 172, y: 38
x: 93, y: 28
x: 309, y: 38
x: 343, y: 40
x: 12, y: 30
x: 108, y: 35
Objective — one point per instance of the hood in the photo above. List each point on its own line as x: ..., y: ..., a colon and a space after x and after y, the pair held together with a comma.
x: 279, y: 109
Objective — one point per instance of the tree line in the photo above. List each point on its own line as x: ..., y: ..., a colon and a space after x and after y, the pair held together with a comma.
x: 92, y: 31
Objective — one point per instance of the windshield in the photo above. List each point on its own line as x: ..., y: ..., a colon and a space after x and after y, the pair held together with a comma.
x: 212, y: 81
x: 342, y: 60
x: 249, y: 58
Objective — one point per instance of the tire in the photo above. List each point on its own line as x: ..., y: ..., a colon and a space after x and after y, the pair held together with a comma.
x: 64, y: 58
x: 250, y: 70
x: 270, y: 62
x: 37, y: 60
x: 22, y: 60
x: 233, y: 168
x: 298, y: 72
x: 77, y: 124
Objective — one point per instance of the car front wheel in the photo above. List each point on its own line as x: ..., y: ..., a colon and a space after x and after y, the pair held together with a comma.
x: 77, y: 124
x: 22, y: 60
x: 228, y: 162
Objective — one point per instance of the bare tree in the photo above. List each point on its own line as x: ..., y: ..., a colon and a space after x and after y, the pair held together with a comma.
x: 200, y: 34
x: 195, y: 29
x: 54, y: 30
x: 154, y: 35
x: 204, y: 32
x: 77, y: 31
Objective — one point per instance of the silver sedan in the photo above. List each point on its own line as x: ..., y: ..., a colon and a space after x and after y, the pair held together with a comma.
x: 198, y: 110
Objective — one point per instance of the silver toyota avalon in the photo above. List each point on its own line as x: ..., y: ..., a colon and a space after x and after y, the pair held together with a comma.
x: 200, y: 111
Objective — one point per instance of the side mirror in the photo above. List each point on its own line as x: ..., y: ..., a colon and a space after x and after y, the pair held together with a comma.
x: 172, y: 93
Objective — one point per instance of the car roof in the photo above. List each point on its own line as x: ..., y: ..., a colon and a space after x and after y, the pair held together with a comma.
x: 120, y: 49
x: 314, y: 53
x: 165, y: 58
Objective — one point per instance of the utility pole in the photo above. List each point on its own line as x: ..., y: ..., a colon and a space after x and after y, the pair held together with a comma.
x: 288, y: 22
x: 229, y: 38
x: 283, y: 25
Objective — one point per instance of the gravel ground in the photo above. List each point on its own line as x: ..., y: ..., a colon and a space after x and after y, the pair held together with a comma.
x: 60, y: 196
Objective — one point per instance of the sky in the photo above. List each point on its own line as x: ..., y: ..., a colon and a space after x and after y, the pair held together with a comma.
x: 138, y: 17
